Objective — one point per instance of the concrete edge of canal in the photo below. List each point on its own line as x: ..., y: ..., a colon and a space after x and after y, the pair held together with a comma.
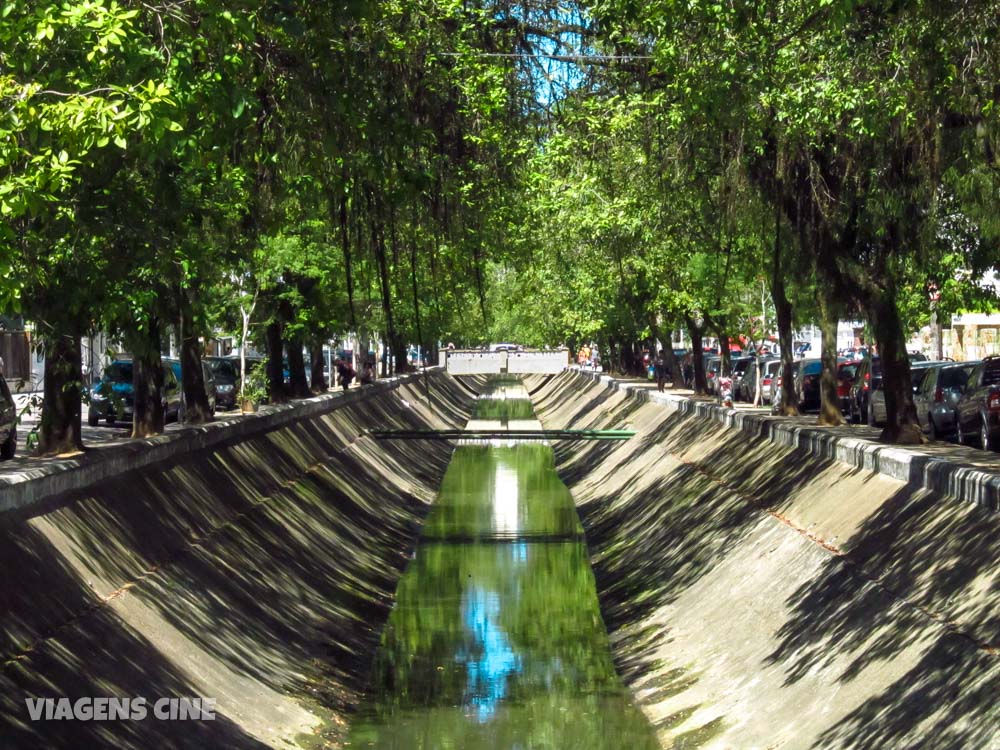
x: 762, y: 595
x: 48, y: 477
x: 963, y: 474
x: 258, y: 573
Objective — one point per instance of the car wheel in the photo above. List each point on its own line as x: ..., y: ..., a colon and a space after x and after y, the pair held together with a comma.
x: 932, y: 430
x: 93, y: 420
x: 871, y: 413
x: 9, y: 445
x: 987, y: 437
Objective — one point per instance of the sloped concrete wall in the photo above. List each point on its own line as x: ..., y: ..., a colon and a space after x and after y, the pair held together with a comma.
x: 758, y: 596
x: 258, y: 573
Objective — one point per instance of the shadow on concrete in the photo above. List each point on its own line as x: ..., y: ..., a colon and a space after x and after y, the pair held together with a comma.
x: 916, y: 579
x: 260, y: 575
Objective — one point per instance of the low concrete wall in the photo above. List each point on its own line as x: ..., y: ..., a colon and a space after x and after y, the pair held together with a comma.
x: 258, y: 573
x: 41, y: 479
x: 764, y: 595
x: 961, y: 473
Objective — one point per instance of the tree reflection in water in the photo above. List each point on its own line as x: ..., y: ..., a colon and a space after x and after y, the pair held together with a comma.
x: 496, y: 639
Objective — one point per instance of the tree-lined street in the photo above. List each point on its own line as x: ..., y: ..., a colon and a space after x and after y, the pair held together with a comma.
x: 542, y: 172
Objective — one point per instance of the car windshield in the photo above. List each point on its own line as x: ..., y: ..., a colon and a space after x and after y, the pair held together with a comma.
x: 847, y: 370
x: 953, y: 377
x: 118, y: 372
x: 223, y: 367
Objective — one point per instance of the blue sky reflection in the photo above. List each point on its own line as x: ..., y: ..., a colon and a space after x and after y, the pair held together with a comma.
x: 491, y: 660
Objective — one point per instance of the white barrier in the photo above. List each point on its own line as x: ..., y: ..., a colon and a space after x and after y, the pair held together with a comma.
x: 476, y: 363
x: 488, y: 363
x: 538, y: 363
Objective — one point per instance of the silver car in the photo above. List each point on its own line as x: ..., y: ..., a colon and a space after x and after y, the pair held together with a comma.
x: 938, y: 396
x: 876, y: 401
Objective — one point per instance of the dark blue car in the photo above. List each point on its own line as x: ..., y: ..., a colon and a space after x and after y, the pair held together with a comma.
x: 113, y: 398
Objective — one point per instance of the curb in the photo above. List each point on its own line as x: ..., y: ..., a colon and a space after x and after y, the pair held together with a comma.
x: 946, y: 476
x: 22, y: 489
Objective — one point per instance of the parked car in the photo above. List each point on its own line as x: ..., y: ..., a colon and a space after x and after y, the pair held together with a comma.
x: 846, y: 375
x: 807, y: 376
x: 875, y: 415
x: 8, y: 422
x: 113, y: 399
x: 771, y: 369
x: 209, y: 377
x: 713, y: 366
x: 867, y: 377
x: 978, y: 407
x: 937, y: 398
x: 738, y: 368
x: 743, y: 388
x: 776, y: 386
x: 226, y: 374
x: 746, y: 386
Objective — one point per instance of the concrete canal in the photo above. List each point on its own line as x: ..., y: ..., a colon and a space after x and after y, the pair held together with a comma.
x: 496, y: 639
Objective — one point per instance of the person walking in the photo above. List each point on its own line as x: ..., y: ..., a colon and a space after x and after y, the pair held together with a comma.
x: 660, y: 370
x: 345, y: 373
x: 367, y: 374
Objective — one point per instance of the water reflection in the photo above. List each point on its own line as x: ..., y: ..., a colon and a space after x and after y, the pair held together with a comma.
x: 492, y: 659
x: 496, y: 639
x: 505, y: 498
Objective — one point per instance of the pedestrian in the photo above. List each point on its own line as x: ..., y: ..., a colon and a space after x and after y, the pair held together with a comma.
x: 660, y: 368
x: 345, y: 373
x: 367, y: 373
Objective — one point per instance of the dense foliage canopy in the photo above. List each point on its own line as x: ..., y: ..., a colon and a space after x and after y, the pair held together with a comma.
x: 541, y: 171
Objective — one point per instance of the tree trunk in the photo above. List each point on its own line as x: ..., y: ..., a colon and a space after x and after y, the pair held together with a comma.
x: 196, y: 407
x: 318, y: 365
x: 147, y: 384
x: 829, y: 402
x: 60, y: 429
x: 275, y: 365
x: 783, y: 314
x: 378, y: 238
x: 697, y: 360
x: 400, y: 353
x: 673, y: 364
x: 901, y: 415
x: 726, y: 369
x: 298, y: 384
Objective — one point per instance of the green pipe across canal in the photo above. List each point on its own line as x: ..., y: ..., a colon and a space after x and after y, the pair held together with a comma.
x: 496, y: 639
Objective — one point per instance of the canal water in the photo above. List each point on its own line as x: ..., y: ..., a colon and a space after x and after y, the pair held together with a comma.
x: 496, y: 639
